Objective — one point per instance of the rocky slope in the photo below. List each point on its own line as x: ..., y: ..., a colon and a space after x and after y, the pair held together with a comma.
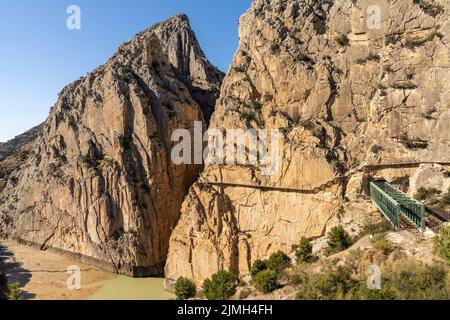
x: 10, y: 147
x: 99, y: 180
x: 349, y: 85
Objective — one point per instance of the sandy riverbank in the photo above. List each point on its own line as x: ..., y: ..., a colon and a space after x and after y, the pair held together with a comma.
x: 42, y: 274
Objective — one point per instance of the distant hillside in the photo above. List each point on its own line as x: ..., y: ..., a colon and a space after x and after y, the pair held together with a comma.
x: 8, y: 148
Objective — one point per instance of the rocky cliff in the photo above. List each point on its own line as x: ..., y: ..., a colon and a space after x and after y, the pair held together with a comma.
x: 99, y: 180
x: 13, y: 145
x: 359, y: 89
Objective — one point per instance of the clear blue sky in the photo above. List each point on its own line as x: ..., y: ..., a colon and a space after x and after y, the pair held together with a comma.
x: 39, y: 55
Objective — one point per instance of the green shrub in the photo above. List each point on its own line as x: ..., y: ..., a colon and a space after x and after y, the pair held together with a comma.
x: 331, y: 285
x: 410, y: 280
x: 405, y: 279
x: 14, y: 292
x: 430, y: 8
x: 445, y: 201
x: 301, y: 57
x: 338, y: 240
x: 275, y: 48
x: 413, y: 144
x: 278, y: 261
x: 342, y: 40
x: 304, y: 251
x: 381, y: 244
x: 221, y: 286
x: 266, y: 281
x: 245, y: 293
x: 370, y: 57
x: 425, y: 194
x: 257, y: 267
x: 391, y: 39
x: 185, y: 289
x: 374, y: 228
x: 442, y: 243
x: 417, y: 41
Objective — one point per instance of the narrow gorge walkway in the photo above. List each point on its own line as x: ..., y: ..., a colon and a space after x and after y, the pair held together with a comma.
x: 400, y: 209
x: 328, y: 185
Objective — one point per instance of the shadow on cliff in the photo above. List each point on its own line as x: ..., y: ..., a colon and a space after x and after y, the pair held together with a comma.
x: 15, y: 272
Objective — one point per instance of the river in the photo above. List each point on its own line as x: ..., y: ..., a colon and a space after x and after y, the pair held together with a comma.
x: 125, y: 288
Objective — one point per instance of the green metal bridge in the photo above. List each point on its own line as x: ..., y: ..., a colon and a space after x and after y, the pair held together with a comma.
x: 398, y: 207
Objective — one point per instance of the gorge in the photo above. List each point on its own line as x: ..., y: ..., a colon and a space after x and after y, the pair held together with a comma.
x: 352, y: 102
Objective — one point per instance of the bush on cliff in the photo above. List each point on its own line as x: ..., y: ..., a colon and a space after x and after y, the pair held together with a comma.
x: 14, y: 292
x: 278, y: 261
x: 221, y: 286
x: 266, y: 281
x: 442, y: 243
x: 257, y: 267
x: 304, y: 251
x: 338, y: 240
x: 185, y: 289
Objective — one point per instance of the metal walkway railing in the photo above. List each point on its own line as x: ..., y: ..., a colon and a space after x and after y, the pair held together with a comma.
x: 397, y: 206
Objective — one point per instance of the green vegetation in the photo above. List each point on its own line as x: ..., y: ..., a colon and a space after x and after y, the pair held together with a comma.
x: 342, y: 40
x: 14, y: 292
x: 429, y: 113
x: 56, y: 171
x: 240, y: 69
x: 275, y: 48
x: 376, y: 228
x: 426, y: 194
x: 442, y: 243
x: 413, y: 144
x: 338, y: 240
x: 268, y: 97
x: 258, y: 266
x: 381, y: 244
x: 409, y: 279
x: 391, y: 39
x: 244, y: 294
x: 332, y: 285
x: 304, y: 251
x: 370, y: 57
x: 376, y: 149
x: 266, y: 281
x: 278, y: 261
x: 433, y: 197
x: 265, y: 272
x: 185, y: 289
x: 431, y: 9
x: 301, y: 57
x: 418, y: 41
x: 404, y: 279
x: 221, y: 286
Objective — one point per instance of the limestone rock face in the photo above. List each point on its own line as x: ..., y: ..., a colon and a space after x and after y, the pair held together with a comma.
x: 99, y: 181
x: 350, y: 84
